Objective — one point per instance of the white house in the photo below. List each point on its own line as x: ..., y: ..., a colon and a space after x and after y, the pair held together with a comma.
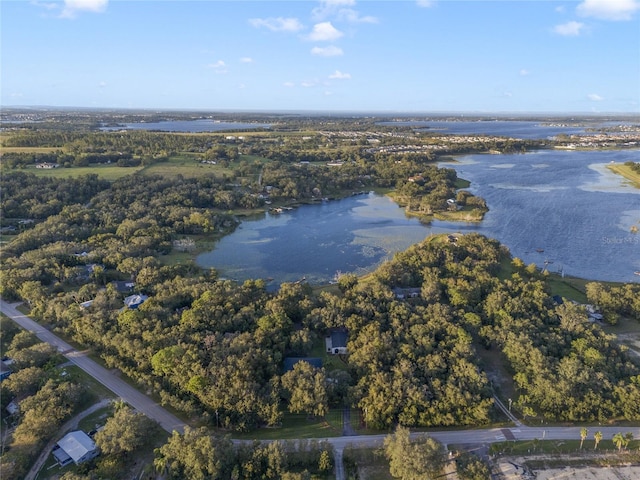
x: 76, y: 447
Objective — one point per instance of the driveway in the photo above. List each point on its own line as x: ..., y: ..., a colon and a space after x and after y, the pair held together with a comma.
x: 170, y: 422
x: 129, y: 394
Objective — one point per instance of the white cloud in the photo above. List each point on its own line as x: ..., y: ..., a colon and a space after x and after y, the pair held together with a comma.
x: 73, y: 7
x: 102, y: 84
x: 289, y: 84
x: 338, y: 75
x: 330, y: 51
x: 219, y: 66
x: 425, y: 3
x: 594, y: 97
x: 339, y: 10
x: 46, y: 6
x: 246, y: 60
x: 352, y: 16
x: 328, y: 8
x: 278, y: 24
x: 324, y: 32
x: 609, y: 9
x: 524, y: 72
x: 560, y: 9
x: 569, y: 29
x: 309, y: 84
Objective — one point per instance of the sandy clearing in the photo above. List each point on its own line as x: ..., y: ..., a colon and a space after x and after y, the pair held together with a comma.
x: 589, y: 473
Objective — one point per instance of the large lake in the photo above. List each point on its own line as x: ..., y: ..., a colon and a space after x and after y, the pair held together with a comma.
x: 524, y: 129
x: 191, y: 126
x: 566, y: 203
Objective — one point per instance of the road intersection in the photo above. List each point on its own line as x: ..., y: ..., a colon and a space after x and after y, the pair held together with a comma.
x: 170, y: 422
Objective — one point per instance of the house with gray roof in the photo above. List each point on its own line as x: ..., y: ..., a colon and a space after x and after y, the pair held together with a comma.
x: 76, y: 447
x: 134, y: 301
x: 336, y: 341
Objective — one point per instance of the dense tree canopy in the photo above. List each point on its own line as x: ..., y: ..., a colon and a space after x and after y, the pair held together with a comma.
x: 419, y: 459
x: 215, y: 349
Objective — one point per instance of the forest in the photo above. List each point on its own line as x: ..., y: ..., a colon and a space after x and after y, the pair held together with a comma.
x: 215, y: 350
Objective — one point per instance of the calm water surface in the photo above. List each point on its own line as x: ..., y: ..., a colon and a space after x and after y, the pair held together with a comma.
x: 316, y: 241
x: 504, y: 128
x: 567, y: 204
x: 192, y: 126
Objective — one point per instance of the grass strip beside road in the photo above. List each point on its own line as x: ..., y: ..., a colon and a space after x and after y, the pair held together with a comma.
x: 295, y: 426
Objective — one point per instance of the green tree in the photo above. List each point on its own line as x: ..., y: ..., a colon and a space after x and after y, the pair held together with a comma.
x: 583, y: 435
x: 470, y: 467
x: 25, y: 381
x: 195, y: 455
x: 124, y: 432
x: 324, y: 464
x: 618, y: 440
x: 598, y: 438
x: 306, y: 386
x: 422, y: 459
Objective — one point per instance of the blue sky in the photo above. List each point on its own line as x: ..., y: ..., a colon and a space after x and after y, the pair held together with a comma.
x: 335, y: 55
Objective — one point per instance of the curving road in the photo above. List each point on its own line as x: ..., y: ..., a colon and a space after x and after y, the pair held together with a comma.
x: 129, y: 394
x: 170, y: 422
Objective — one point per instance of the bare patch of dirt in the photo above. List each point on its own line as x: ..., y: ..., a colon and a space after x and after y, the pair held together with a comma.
x: 590, y: 473
x: 569, y: 467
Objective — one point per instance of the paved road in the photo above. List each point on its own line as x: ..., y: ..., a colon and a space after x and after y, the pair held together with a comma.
x: 492, y: 435
x: 133, y: 397
x: 169, y: 422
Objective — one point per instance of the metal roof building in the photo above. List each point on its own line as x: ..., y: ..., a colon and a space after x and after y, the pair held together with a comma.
x: 76, y: 447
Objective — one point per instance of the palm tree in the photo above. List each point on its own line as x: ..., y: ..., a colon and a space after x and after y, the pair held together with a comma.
x: 583, y: 435
x: 597, y: 437
x: 627, y: 439
x: 618, y: 440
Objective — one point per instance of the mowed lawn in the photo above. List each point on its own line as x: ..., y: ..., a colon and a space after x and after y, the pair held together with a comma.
x: 187, y: 166
x: 108, y: 172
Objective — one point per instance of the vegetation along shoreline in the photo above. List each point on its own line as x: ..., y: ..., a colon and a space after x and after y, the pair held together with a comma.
x: 434, y: 339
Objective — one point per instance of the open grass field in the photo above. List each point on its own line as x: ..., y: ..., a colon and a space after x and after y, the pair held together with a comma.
x: 572, y: 288
x: 30, y: 149
x: 184, y: 164
x: 108, y: 172
x: 626, y: 172
x: 187, y: 166
x: 466, y: 214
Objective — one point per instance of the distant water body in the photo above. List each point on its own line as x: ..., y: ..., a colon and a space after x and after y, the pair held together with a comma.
x: 505, y: 128
x: 562, y: 207
x: 190, y: 126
